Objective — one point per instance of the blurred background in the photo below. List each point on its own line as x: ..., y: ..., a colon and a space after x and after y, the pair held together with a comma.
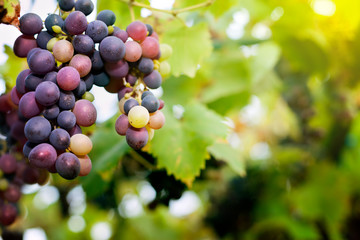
x: 262, y: 139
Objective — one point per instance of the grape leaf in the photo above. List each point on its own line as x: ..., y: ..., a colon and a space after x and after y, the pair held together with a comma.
x: 180, y: 146
x: 191, y: 45
x: 10, y: 12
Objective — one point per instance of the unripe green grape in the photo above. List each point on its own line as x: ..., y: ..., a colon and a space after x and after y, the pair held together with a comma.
x: 164, y: 69
x: 151, y: 132
x: 110, y: 30
x: 88, y: 96
x: 80, y: 144
x: 51, y: 43
x: 3, y: 184
x: 65, y: 15
x: 166, y: 51
x: 56, y: 29
x: 138, y: 116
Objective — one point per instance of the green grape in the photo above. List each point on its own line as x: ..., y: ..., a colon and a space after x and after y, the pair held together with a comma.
x: 88, y: 96
x: 166, y: 51
x: 110, y: 30
x: 164, y: 69
x: 80, y: 144
x: 51, y: 43
x: 138, y: 116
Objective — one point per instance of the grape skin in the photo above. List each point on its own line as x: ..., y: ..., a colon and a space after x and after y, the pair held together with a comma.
x: 28, y: 106
x: 47, y: 93
x: 66, y: 100
x: 66, y: 120
x: 85, y: 165
x: 53, y: 20
x: 151, y: 103
x: 68, y: 78
x: 138, y: 116
x: 76, y: 23
x: 85, y: 113
x: 67, y: 165
x: 153, y: 80
x: 122, y: 124
x: 133, y: 51
x: 85, y: 6
x: 8, y: 163
x: 80, y: 144
x: 81, y: 63
x: 60, y: 139
x: 157, y: 120
x: 41, y: 62
x: 66, y: 5
x: 43, y: 156
x: 146, y: 65
x: 112, y: 49
x: 107, y: 16
x: 30, y: 24
x: 130, y: 103
x: 32, y: 81
x: 97, y: 30
x: 137, y: 138
x: 20, y: 81
x: 118, y: 69
x: 137, y: 30
x: 37, y: 129
x: 23, y: 44
x: 83, y: 44
x: 63, y: 51
x: 150, y: 47
x: 51, y: 112
x: 43, y: 38
x: 119, y: 33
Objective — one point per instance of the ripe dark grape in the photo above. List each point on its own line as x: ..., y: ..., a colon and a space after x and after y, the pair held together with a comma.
x: 66, y: 120
x: 131, y: 79
x: 151, y: 103
x: 130, y: 103
x: 8, y: 213
x: 85, y: 6
x: 117, y: 69
x: 76, y: 23
x: 66, y: 5
x: 51, y: 76
x: 153, y: 80
x: 149, y: 29
x: 123, y: 91
x: 101, y: 79
x: 89, y: 81
x: 15, y: 96
x: 146, y: 65
x: 75, y: 130
x: 137, y: 31
x: 137, y: 138
x: 43, y: 156
x: 83, y: 44
x: 85, y: 113
x: 97, y: 30
x: 68, y: 78
x: 20, y: 81
x: 122, y: 124
x: 43, y: 38
x: 51, y: 112
x: 53, y: 20
x: 30, y: 24
x: 119, y: 33
x: 47, y: 93
x: 66, y: 100
x: 60, y: 139
x: 107, y: 16
x: 147, y: 93
x: 37, y: 129
x: 115, y: 85
x: 112, y: 49
x: 81, y: 63
x: 41, y: 62
x: 23, y: 44
x: 32, y: 81
x: 97, y: 62
x: 12, y: 193
x: 68, y: 165
x: 28, y: 146
x: 80, y: 90
x: 28, y: 106
x: 8, y: 163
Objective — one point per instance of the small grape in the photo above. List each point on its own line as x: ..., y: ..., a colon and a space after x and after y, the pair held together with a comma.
x: 66, y: 100
x: 83, y: 44
x: 117, y: 69
x: 8, y: 163
x: 60, y: 139
x: 43, y: 156
x: 28, y: 106
x: 81, y: 63
x: 37, y: 129
x: 112, y: 49
x: 67, y: 165
x: 47, y: 93
x: 85, y: 113
x: 164, y: 69
x: 137, y: 138
x: 153, y: 80
x: 138, y: 116
x: 107, y: 16
x: 66, y: 120
x: 146, y: 65
x: 43, y: 38
x: 85, y: 6
x: 52, y: 112
x: 150, y: 47
x: 137, y: 31
x: 41, y: 62
x: 80, y: 144
x: 122, y: 124
x: 133, y: 51
x: 129, y: 104
x: 85, y: 165
x: 63, y: 51
x: 66, y: 5
x: 157, y: 120
x: 119, y: 33
x: 23, y: 44
x: 53, y: 20
x: 30, y: 24
x: 151, y: 103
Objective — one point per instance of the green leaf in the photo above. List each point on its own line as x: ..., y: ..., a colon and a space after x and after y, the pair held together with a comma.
x: 223, y: 151
x: 12, y: 67
x: 191, y: 45
x: 181, y: 146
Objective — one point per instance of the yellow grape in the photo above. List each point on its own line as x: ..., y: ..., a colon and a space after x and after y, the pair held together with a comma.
x: 151, y: 132
x: 164, y: 69
x: 166, y: 51
x: 138, y: 116
x: 80, y: 144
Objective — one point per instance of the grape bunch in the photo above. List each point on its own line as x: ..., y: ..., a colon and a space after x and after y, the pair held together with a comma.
x: 14, y: 169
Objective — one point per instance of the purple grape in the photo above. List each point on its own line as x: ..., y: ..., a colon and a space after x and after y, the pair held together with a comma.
x: 66, y: 100
x: 80, y: 90
x: 85, y: 6
x: 101, y: 79
x: 23, y: 45
x: 97, y: 30
x: 123, y: 35
x: 68, y: 78
x: 53, y: 20
x: 15, y: 96
x: 28, y: 146
x: 68, y: 165
x: 47, y: 93
x: 85, y: 113
x: 122, y: 124
x: 146, y: 65
x: 43, y: 156
x: 137, y: 138
x: 131, y: 79
x: 147, y: 93
x: 66, y: 5
x: 51, y: 112
x: 20, y: 81
x: 75, y: 130
x: 12, y: 193
x: 83, y: 44
x: 32, y: 81
x: 8, y: 213
x: 37, y: 129
x: 130, y: 103
x: 28, y: 106
x: 43, y: 38
x: 30, y: 24
x: 66, y: 120
x: 89, y: 81
x: 76, y: 23
x: 51, y: 76
x: 117, y: 69
x: 60, y: 139
x: 151, y: 103
x: 107, y: 16
x: 153, y: 80
x: 8, y: 163
x: 41, y: 62
x: 97, y: 62
x: 123, y: 91
x: 112, y: 49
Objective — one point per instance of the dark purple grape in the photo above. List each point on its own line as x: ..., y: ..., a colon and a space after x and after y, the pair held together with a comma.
x: 89, y: 81
x: 146, y: 93
x: 66, y: 5
x: 97, y: 30
x: 112, y: 49
x: 149, y: 29
x: 51, y: 76
x: 119, y: 33
x: 137, y: 138
x: 51, y: 112
x: 23, y: 44
x: 123, y: 91
x: 146, y: 65
x: 80, y: 90
x: 66, y: 120
x: 107, y: 16
x: 28, y: 146
x: 122, y: 124
x: 53, y: 20
x: 32, y: 81
x: 117, y: 69
x: 76, y: 23
x: 130, y: 103
x: 20, y: 81
x: 97, y: 62
x: 41, y: 62
x: 17, y: 131
x: 85, y: 113
x: 151, y: 103
x: 47, y: 93
x: 101, y: 79
x: 37, y: 129
x: 28, y: 106
x: 153, y: 80
x: 30, y: 24
x: 43, y: 156
x: 12, y: 193
x: 83, y: 44
x: 68, y: 165
x: 43, y: 38
x: 8, y: 213
x: 75, y: 130
x: 60, y: 139
x: 131, y: 79
x: 8, y: 163
x: 15, y: 96
x: 85, y: 6
x: 66, y: 100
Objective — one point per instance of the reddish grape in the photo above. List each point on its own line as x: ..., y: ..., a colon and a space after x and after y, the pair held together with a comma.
x: 85, y: 113
x: 23, y: 44
x: 82, y: 64
x: 137, y: 31
x: 150, y: 47
x: 137, y: 138
x: 43, y: 156
x: 68, y: 78
x: 28, y: 106
x: 122, y: 124
x: 133, y: 51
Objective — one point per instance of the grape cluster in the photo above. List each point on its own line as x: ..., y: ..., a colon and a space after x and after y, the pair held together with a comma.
x: 14, y: 169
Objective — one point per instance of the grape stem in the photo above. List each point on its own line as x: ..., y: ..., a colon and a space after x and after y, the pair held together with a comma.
x: 173, y: 12
x: 142, y: 160
x: 131, y: 8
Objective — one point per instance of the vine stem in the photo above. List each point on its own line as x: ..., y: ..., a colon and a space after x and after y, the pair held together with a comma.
x: 173, y: 12
x: 131, y: 8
